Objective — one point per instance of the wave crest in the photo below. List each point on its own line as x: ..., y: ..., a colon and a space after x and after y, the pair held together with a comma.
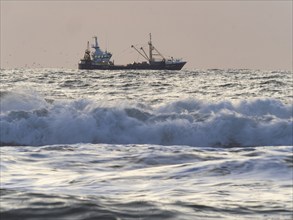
x: 258, y: 122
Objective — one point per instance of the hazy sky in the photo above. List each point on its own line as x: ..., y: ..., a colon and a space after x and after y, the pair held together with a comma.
x: 208, y: 34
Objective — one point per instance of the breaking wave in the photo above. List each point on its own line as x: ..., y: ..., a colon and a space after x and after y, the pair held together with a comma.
x: 33, y: 120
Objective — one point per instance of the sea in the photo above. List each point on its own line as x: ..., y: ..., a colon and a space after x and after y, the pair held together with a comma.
x: 129, y: 144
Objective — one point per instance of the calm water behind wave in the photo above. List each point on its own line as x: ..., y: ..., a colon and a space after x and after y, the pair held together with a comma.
x: 203, y: 144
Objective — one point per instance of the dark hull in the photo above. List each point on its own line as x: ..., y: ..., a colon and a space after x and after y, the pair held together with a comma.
x: 134, y: 66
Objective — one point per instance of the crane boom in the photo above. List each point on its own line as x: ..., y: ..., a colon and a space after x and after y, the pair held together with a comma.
x: 140, y: 53
x: 144, y: 53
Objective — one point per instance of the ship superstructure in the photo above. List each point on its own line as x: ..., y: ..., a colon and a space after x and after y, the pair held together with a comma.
x: 99, y: 56
x: 154, y: 59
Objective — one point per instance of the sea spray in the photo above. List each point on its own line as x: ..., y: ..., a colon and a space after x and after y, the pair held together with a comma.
x: 257, y: 122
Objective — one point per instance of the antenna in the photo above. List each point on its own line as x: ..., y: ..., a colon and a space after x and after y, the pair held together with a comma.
x: 106, y: 41
x: 88, y: 45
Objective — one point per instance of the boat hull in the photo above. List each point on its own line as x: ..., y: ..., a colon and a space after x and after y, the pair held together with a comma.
x: 134, y: 66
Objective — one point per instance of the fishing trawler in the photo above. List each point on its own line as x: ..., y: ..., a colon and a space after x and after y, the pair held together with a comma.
x: 100, y: 60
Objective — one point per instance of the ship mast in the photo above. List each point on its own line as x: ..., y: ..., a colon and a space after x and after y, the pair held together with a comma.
x: 96, y: 42
x: 150, y: 49
x: 149, y: 58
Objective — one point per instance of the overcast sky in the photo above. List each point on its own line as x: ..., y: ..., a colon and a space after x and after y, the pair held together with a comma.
x: 207, y: 34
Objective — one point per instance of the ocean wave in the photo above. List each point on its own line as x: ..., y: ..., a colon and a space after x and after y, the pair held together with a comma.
x: 30, y: 119
x: 46, y: 206
x: 91, y: 181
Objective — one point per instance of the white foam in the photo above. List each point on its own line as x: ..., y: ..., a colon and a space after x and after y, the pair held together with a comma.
x: 30, y: 120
